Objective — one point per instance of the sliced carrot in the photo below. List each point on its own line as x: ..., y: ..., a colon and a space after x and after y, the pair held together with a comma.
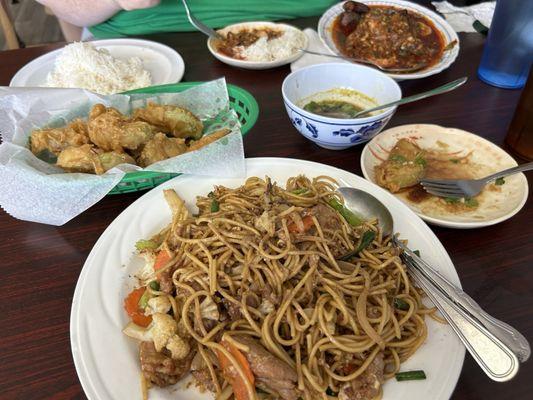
x: 140, y: 319
x: 163, y: 257
x: 131, y: 305
x: 308, y: 224
x: 237, y: 383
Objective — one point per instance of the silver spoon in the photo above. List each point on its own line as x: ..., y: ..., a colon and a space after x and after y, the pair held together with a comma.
x: 360, y: 61
x: 199, y: 24
x: 496, y: 346
x: 438, y: 90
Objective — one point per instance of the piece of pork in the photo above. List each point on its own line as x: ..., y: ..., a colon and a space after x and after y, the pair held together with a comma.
x: 327, y: 217
x: 367, y: 385
x: 159, y: 368
x: 269, y: 371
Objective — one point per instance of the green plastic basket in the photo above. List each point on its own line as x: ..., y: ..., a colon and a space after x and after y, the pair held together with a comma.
x: 240, y: 100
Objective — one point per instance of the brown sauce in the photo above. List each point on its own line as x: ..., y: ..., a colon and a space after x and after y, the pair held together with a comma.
x: 389, y: 37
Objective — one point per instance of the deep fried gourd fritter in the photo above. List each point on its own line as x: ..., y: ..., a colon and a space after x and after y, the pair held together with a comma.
x: 90, y: 159
x: 173, y: 120
x: 159, y: 148
x: 110, y: 130
x: 404, y: 167
x: 56, y: 139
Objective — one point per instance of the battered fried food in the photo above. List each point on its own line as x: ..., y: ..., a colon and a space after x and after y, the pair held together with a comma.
x: 110, y: 130
x: 170, y: 119
x: 79, y: 159
x: 204, y: 141
x: 56, y: 139
x: 90, y: 159
x: 405, y: 166
x: 159, y: 148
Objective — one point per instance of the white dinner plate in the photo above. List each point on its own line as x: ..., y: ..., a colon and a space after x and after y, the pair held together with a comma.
x: 448, y: 57
x: 234, y: 62
x: 164, y: 64
x: 107, y: 361
x: 495, y: 205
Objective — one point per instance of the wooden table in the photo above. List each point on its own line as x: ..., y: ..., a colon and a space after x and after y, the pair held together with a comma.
x: 40, y: 264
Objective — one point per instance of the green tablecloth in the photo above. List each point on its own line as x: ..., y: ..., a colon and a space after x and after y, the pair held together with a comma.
x: 170, y: 15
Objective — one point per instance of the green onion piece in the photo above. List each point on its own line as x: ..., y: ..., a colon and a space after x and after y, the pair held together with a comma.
x: 368, y: 237
x: 454, y: 160
x: 469, y: 202
x: 451, y: 200
x: 145, y: 245
x: 154, y: 285
x: 330, y: 392
x: 411, y: 376
x: 300, y: 191
x: 143, y: 301
x: 397, y: 158
x: 499, y: 181
x: 417, y: 252
x: 348, y: 215
x: 420, y: 161
x: 215, y: 205
x: 401, y: 304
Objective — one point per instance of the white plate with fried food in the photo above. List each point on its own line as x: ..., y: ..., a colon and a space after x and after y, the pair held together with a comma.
x: 399, y: 157
x: 107, y: 361
x: 126, y: 64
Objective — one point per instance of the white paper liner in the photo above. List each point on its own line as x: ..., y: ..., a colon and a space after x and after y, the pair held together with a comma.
x: 36, y: 191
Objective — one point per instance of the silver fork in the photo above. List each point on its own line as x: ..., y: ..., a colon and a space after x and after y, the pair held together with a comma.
x: 199, y: 25
x: 458, y: 188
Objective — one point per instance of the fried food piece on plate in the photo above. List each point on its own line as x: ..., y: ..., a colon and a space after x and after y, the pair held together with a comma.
x: 204, y: 141
x: 110, y: 130
x: 56, y: 139
x: 90, y: 159
x: 159, y: 148
x: 170, y: 119
x: 405, y: 167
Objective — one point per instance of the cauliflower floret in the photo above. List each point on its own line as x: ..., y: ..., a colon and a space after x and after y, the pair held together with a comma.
x: 147, y: 271
x: 158, y: 304
x: 163, y: 328
x: 164, y: 333
x: 178, y: 347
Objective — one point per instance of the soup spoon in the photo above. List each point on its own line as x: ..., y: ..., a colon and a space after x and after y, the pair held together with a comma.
x: 448, y: 87
x: 496, y: 346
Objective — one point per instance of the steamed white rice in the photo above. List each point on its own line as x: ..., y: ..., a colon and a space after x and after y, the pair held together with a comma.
x: 275, y: 49
x: 81, y: 65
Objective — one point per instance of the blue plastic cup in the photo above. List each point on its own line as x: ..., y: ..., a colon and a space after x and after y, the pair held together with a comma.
x: 508, y: 53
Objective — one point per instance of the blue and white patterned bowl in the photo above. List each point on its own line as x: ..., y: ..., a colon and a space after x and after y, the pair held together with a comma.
x: 336, y: 133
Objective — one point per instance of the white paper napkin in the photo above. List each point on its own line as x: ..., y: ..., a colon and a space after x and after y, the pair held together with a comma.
x: 462, y: 18
x: 315, y: 44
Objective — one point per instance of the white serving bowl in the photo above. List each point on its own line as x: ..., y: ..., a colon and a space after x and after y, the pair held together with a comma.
x: 257, y: 64
x: 336, y: 133
x: 448, y: 57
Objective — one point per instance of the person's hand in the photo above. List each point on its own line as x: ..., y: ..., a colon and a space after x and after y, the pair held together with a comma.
x: 137, y: 4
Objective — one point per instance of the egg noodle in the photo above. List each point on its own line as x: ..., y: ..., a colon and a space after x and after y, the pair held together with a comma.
x: 331, y: 318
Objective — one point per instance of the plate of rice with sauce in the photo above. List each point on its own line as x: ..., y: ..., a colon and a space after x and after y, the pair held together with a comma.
x: 104, y: 66
x: 258, y: 45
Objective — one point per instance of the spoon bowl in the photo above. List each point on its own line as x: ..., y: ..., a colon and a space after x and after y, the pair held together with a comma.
x: 364, y: 204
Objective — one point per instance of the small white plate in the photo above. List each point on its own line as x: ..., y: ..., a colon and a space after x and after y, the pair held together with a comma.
x: 448, y: 57
x: 107, y: 361
x: 494, y: 207
x: 257, y: 64
x: 164, y: 64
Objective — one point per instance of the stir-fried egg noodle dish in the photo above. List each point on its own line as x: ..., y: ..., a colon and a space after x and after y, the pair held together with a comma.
x: 273, y: 293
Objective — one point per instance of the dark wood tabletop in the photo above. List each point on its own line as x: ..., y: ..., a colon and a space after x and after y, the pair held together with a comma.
x: 40, y: 264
